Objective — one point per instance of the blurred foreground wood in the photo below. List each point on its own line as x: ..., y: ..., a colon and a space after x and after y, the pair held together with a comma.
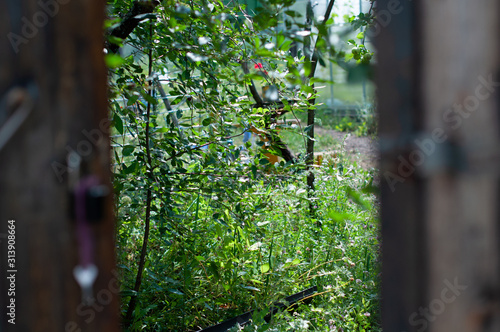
x: 52, y: 101
x: 438, y: 96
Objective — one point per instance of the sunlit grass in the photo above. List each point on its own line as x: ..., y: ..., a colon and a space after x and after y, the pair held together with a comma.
x: 221, y: 253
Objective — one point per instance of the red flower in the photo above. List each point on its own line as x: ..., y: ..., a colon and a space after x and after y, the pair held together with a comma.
x: 260, y: 67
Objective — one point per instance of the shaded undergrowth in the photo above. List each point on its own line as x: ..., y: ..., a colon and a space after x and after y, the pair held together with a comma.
x: 228, y: 246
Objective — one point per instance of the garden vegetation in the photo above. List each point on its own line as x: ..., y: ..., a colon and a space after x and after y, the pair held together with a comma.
x: 209, y: 226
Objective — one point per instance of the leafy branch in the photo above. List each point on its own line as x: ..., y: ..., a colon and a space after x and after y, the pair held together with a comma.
x: 129, y: 22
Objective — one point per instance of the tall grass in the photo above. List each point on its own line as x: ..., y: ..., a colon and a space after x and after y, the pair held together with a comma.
x: 223, y: 251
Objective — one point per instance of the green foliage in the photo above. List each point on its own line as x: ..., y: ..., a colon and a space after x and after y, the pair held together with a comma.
x: 363, y: 122
x: 361, y: 127
x: 346, y: 124
x: 229, y: 230
x: 225, y: 250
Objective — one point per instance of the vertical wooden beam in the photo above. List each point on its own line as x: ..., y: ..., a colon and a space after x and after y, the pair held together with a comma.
x: 438, y: 81
x: 460, y: 90
x: 51, y: 51
x: 404, y: 269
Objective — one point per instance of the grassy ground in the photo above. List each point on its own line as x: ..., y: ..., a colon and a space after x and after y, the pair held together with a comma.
x: 229, y: 247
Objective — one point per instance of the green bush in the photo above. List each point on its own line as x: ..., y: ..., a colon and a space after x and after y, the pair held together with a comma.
x: 208, y: 229
x: 228, y: 250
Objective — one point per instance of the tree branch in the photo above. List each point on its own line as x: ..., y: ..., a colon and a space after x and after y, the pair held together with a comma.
x: 275, y: 140
x: 311, y: 114
x: 142, y: 260
x: 314, y: 60
x: 130, y: 21
x: 253, y: 89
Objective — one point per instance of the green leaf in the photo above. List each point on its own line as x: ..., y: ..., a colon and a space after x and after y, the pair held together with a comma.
x: 128, y: 292
x: 337, y: 216
x: 370, y: 189
x: 256, y: 281
x: 300, y: 191
x: 128, y: 149
x: 162, y: 130
x: 264, y: 268
x: 115, y: 40
x: 254, y: 171
x: 286, y: 45
x: 111, y: 22
x: 131, y: 168
x: 307, y: 89
x: 251, y: 288
x: 117, y: 120
x: 132, y: 100
x: 213, y: 267
x: 175, y: 291
x: 113, y: 60
x: 148, y: 98
x: 293, y: 13
x: 145, y: 16
x: 356, y: 197
x: 321, y: 61
x: 290, y: 263
x: 207, y: 121
x: 307, y: 68
x: 264, y: 161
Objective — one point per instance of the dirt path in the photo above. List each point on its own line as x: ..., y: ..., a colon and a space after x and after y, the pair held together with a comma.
x: 363, y: 150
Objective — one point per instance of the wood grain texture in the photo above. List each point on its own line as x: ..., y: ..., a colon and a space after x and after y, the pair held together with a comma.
x: 63, y: 59
x: 403, y: 244
x: 460, y: 53
x: 438, y: 81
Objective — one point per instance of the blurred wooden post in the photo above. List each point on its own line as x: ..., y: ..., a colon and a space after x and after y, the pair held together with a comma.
x: 53, y: 80
x: 403, y: 251
x: 438, y: 92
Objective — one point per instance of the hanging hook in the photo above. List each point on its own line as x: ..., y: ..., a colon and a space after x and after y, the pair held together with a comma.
x: 22, y: 101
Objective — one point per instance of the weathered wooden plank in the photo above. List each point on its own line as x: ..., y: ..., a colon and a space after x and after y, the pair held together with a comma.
x: 460, y: 89
x: 52, y: 50
x: 404, y: 270
x: 439, y: 130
